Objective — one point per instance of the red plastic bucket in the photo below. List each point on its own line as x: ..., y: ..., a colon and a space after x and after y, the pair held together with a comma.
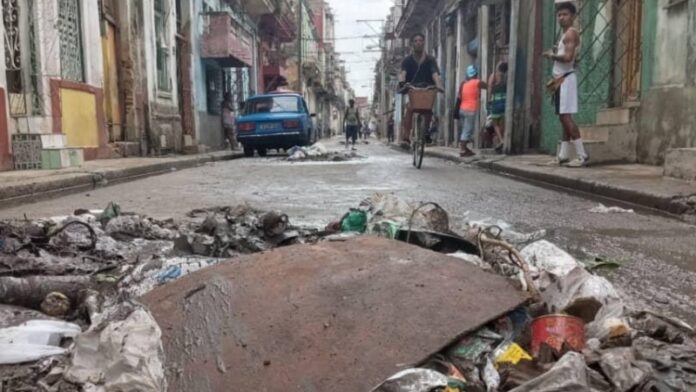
x: 556, y: 329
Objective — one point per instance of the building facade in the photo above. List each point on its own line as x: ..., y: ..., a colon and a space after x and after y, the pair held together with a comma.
x: 90, y: 79
x: 635, y: 91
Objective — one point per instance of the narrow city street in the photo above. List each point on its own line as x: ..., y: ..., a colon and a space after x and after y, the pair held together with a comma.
x: 656, y: 253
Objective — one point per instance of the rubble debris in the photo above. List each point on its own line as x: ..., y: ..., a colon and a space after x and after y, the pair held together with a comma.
x: 56, y: 304
x: 120, y: 355
x: 579, y: 293
x: 570, y: 373
x: 617, y: 365
x: 318, y: 152
x: 382, y: 300
x: 602, y: 209
x: 460, y: 319
x: 413, y: 380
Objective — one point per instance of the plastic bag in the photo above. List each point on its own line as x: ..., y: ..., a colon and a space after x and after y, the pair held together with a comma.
x: 355, y: 221
x: 34, y: 340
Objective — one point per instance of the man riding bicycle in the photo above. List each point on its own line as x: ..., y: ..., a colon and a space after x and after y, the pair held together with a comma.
x: 418, y: 70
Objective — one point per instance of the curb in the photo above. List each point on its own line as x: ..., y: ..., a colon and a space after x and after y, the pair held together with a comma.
x: 664, y: 204
x: 83, y: 181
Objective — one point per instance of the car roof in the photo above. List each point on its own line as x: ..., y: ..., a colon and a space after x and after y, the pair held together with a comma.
x: 279, y: 94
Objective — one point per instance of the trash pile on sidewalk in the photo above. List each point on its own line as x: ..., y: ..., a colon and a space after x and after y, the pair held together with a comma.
x: 319, y: 152
x: 69, y: 318
x: 576, y: 334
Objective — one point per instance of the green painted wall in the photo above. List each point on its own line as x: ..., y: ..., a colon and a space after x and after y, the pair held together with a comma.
x: 649, y: 35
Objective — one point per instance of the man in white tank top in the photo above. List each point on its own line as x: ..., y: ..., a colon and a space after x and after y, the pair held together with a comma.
x: 566, y: 98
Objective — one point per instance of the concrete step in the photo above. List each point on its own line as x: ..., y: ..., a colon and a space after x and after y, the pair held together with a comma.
x: 602, y: 152
x: 614, y: 116
x: 595, y: 132
x: 59, y: 158
x: 681, y: 163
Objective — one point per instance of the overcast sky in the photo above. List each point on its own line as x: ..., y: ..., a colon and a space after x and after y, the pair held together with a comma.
x: 360, y: 64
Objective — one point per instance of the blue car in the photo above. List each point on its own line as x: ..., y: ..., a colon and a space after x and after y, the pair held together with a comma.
x: 274, y: 121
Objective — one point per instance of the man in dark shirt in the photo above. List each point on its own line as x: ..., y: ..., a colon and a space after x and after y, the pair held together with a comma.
x: 420, y: 70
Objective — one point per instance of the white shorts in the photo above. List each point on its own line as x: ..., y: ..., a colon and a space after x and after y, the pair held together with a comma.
x: 567, y: 96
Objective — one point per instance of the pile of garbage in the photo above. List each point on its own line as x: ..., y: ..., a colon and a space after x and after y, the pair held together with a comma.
x: 69, y: 315
x: 577, y: 332
x: 70, y: 319
x: 319, y: 152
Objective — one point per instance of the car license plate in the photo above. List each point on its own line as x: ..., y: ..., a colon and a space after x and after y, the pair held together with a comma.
x: 268, y: 126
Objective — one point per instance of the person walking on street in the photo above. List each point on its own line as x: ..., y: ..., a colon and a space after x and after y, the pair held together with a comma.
x: 420, y: 70
x: 390, y: 129
x: 467, y: 107
x: 351, y: 123
x: 565, y: 86
x: 497, y: 99
x: 228, y: 118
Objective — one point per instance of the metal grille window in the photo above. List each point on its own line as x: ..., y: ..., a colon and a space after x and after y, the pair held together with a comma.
x: 70, y: 30
x: 13, y: 51
x: 164, y: 81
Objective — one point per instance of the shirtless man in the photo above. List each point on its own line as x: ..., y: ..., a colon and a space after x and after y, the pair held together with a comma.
x: 566, y: 97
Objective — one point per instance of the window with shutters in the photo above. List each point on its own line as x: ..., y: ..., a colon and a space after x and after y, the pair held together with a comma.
x: 163, y: 49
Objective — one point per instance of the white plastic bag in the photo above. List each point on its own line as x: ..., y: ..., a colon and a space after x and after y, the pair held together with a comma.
x: 34, y: 340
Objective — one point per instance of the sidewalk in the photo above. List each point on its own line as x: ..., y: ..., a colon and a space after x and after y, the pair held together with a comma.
x: 22, y: 186
x: 637, y: 184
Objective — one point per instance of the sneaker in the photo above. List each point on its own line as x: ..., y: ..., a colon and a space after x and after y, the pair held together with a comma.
x: 557, y: 162
x: 579, y: 162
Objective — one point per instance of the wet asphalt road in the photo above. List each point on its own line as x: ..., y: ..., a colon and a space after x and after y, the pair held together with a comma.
x: 658, y: 254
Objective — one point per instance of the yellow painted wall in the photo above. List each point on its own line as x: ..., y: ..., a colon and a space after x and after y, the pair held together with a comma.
x: 79, y: 110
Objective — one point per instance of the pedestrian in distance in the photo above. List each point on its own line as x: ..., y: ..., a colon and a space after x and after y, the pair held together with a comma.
x: 467, y: 107
x: 351, y: 124
x: 390, y: 129
x: 497, y: 100
x: 228, y: 119
x: 564, y: 86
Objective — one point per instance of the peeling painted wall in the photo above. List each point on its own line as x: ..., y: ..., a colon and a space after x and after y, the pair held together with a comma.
x: 667, y: 116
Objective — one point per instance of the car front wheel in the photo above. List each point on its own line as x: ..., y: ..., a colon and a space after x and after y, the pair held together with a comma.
x: 262, y: 152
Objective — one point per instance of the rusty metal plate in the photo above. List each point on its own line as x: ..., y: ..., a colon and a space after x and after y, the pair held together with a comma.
x: 339, y: 316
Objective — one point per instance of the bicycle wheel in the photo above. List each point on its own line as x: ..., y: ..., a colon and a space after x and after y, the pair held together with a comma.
x: 419, y: 147
x: 414, y: 139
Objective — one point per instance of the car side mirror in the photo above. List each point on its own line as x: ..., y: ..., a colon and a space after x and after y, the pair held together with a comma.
x: 313, y: 115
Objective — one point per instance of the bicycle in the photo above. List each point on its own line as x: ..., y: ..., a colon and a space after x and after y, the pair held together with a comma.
x: 421, y: 100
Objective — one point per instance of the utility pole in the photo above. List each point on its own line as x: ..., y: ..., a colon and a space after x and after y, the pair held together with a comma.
x: 300, y: 42
x: 383, y: 93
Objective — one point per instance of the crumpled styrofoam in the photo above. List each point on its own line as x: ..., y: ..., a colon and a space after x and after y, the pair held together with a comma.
x: 125, y: 355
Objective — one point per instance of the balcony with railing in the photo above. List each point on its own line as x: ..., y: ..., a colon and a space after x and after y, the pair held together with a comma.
x: 416, y: 14
x: 281, y: 23
x: 257, y: 8
x: 225, y: 41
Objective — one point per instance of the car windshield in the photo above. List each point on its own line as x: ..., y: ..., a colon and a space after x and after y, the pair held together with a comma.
x: 273, y: 105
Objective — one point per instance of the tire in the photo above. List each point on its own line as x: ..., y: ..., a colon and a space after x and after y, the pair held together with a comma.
x: 262, y: 152
x: 248, y: 152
